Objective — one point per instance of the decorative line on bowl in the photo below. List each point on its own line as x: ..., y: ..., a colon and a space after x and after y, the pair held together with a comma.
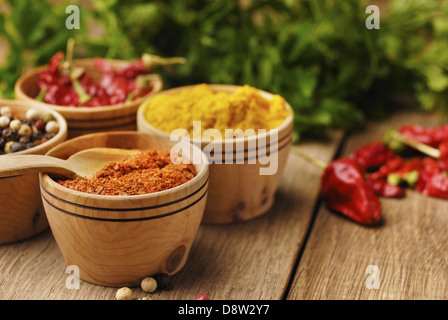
x: 257, y: 155
x: 127, y: 220
x: 129, y: 123
x: 124, y: 209
x: 131, y: 115
x: 19, y: 175
x: 286, y: 136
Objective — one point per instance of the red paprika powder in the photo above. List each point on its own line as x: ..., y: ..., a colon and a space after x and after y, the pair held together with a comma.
x: 146, y: 172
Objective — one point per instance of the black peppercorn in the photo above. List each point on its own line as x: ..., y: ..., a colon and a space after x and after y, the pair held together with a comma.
x: 163, y: 281
x: 17, y: 146
x: 24, y: 139
x: 10, y: 135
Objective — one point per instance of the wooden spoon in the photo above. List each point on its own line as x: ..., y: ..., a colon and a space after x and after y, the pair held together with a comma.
x: 82, y: 164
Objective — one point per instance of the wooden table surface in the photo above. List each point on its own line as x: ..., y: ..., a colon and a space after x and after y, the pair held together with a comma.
x: 298, y: 250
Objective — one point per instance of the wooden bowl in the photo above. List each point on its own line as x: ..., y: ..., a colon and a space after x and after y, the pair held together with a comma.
x: 118, y: 240
x: 238, y: 191
x: 85, y: 120
x: 21, y: 210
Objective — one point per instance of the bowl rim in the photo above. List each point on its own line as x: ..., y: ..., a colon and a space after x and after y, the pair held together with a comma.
x: 94, y: 109
x: 61, y: 135
x: 112, y: 198
x: 285, y: 124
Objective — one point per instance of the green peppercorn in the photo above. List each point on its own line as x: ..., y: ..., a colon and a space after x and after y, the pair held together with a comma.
x: 8, y: 146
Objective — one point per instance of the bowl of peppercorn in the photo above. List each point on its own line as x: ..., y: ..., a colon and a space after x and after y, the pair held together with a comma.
x: 134, y: 218
x: 92, y: 94
x: 25, y: 130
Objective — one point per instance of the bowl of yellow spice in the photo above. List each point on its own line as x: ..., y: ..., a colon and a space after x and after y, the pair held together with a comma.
x: 246, y: 133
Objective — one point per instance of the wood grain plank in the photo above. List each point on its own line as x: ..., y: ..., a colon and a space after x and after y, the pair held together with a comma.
x: 409, y: 248
x: 246, y: 260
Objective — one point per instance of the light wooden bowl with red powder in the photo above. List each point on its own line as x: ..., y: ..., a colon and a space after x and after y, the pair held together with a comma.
x: 119, y: 240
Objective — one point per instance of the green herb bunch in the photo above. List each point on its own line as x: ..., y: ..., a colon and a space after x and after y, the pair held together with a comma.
x: 318, y: 54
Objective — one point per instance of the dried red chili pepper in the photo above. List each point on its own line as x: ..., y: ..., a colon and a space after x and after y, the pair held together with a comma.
x: 391, y: 164
x: 58, y: 88
x: 407, y: 173
x: 114, y: 87
x: 419, y: 133
x: 431, y: 178
x: 344, y: 189
x: 443, y: 147
x: 382, y: 188
x: 433, y: 182
x: 371, y: 156
x: 440, y: 134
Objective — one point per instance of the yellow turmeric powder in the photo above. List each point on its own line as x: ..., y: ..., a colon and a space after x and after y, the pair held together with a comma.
x: 243, y: 109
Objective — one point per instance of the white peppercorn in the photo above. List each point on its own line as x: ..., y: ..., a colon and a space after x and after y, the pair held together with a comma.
x: 25, y: 130
x: 52, y: 127
x: 4, y: 121
x: 5, y: 111
x: 47, y: 117
x: 124, y: 294
x: 149, y: 284
x: 32, y: 114
x: 15, y: 124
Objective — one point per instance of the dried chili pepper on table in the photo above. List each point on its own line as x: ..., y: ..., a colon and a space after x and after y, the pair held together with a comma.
x: 372, y: 155
x: 419, y: 133
x: 433, y: 179
x: 344, y: 189
x: 407, y: 173
x: 384, y: 189
x: 440, y: 134
x: 391, y: 164
x: 432, y: 170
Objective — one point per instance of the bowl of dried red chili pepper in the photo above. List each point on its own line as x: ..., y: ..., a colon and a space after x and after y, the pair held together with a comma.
x: 245, y: 132
x: 132, y: 219
x: 94, y: 95
x: 25, y: 130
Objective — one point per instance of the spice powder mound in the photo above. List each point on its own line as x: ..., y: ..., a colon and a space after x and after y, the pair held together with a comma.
x: 146, y: 172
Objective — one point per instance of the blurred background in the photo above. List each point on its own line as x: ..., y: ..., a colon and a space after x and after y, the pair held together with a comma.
x: 318, y: 54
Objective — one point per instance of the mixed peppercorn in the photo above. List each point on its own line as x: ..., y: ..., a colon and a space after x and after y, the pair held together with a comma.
x: 24, y: 132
